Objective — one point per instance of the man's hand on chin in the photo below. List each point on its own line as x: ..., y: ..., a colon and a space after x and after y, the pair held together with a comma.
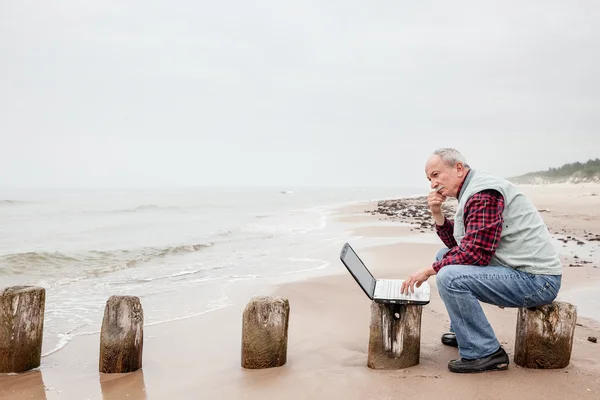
x: 416, y: 279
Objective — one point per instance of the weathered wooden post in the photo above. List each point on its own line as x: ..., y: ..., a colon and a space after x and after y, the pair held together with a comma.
x: 122, y: 335
x: 265, y: 332
x: 395, y: 336
x: 21, y: 327
x: 544, y: 336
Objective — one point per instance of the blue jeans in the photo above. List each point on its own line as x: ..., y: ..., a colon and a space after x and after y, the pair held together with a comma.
x: 462, y: 287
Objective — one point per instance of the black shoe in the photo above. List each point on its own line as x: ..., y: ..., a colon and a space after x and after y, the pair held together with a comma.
x: 449, y: 339
x: 494, y: 362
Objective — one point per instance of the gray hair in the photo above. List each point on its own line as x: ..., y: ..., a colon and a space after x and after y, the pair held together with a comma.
x: 451, y: 157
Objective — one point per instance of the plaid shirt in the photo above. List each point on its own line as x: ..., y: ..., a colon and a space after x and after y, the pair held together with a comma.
x: 483, y: 226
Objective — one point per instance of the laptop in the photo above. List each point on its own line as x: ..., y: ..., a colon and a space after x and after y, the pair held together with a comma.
x: 381, y: 290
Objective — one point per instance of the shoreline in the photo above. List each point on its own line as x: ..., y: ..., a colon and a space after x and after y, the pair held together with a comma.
x: 328, y: 336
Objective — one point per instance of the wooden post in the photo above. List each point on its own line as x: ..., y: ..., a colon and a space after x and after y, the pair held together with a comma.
x: 21, y: 327
x: 122, y: 335
x: 544, y: 336
x: 265, y: 332
x: 395, y: 336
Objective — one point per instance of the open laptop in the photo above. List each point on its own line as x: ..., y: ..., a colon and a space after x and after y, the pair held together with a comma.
x: 381, y: 290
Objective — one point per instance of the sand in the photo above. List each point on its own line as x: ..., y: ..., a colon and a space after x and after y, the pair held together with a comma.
x: 328, y: 333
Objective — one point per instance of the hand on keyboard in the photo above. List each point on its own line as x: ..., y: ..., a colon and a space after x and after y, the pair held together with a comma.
x: 408, y: 286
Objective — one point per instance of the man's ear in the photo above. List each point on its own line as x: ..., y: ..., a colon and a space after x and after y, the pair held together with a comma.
x: 460, y: 169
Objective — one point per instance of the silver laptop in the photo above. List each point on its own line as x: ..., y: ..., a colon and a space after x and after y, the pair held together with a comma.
x: 381, y: 290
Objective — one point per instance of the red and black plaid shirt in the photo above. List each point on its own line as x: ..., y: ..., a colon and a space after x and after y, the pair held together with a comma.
x: 483, y: 226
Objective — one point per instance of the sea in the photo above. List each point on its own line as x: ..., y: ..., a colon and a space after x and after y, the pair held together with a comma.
x: 181, y: 251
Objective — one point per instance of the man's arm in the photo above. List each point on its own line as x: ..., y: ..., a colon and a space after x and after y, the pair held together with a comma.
x: 483, y: 226
x: 446, y: 233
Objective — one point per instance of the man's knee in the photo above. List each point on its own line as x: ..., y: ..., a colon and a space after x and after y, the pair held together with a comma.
x: 446, y: 275
x: 440, y: 254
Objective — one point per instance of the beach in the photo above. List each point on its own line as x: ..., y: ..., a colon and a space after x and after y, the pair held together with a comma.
x: 199, y: 356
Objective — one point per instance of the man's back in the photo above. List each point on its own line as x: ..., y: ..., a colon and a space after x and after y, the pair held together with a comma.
x: 525, y: 243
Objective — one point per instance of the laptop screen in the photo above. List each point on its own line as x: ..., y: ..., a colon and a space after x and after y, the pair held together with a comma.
x: 358, y: 270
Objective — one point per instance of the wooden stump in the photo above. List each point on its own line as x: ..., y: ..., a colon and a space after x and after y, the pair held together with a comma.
x: 395, y: 337
x: 265, y: 332
x: 21, y: 327
x: 544, y: 336
x: 122, y: 335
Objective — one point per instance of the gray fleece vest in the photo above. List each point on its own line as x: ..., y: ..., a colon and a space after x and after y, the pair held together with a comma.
x: 525, y: 241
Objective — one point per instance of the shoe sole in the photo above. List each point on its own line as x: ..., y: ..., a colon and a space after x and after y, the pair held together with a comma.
x: 499, y: 367
x: 449, y: 343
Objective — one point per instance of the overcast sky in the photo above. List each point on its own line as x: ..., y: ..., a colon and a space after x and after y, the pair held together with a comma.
x: 154, y: 93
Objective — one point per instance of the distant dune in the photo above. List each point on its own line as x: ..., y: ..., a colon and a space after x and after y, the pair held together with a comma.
x: 588, y: 172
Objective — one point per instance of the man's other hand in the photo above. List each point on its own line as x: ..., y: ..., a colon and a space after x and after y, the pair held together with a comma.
x: 434, y: 201
x: 416, y: 279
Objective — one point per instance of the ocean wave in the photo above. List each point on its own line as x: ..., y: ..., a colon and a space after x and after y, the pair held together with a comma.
x: 11, y: 202
x: 33, y: 258
x: 144, y: 208
x: 156, y: 207
x: 137, y: 209
x: 223, y: 233
x: 93, y: 263
x: 179, y: 274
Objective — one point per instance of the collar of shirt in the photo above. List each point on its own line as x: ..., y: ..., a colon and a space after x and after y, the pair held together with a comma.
x: 462, y: 183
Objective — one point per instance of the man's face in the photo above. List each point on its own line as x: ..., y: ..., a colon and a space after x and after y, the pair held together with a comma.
x: 441, y: 174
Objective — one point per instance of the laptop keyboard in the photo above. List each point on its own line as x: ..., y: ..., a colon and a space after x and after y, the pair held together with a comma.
x: 390, y: 289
